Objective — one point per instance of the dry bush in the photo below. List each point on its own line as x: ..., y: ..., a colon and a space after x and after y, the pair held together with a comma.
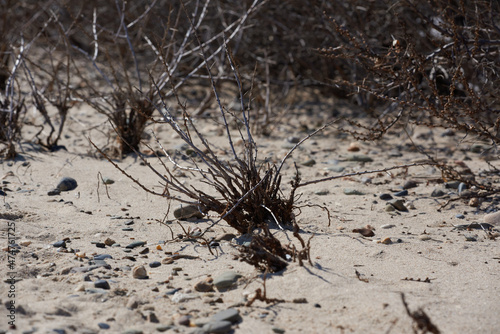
x: 429, y: 63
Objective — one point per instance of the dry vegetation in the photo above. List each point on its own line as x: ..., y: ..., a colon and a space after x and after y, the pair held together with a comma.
x: 430, y: 63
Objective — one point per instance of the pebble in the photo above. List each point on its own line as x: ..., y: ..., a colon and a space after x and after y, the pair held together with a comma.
x: 322, y: 192
x: 107, y: 180
x: 204, y: 286
x: 139, y: 272
x: 336, y: 169
x: 293, y: 139
x: 358, y: 157
x: 217, y: 327
x: 136, y: 244
x: 109, y: 242
x: 386, y: 241
x: 278, y: 330
x: 155, y: 264
x: 184, y: 320
x: 474, y: 202
x: 231, y: 314
x: 153, y: 318
x: 398, y: 204
x: 180, y: 297
x: 389, y: 208
x: 424, y: 237
x: 102, y: 284
x: 461, y: 187
x: 54, y: 192
x: 437, y: 193
x: 309, y: 163
x: 133, y: 331
x: 226, y: 279
x: 349, y: 191
x: 164, y: 328
x: 103, y: 325
x: 401, y: 193
x: 492, y: 218
x: 129, y: 222
x: 102, y: 257
x: 387, y: 226
x: 452, y: 184
x: 187, y: 211
x: 67, y: 184
x: 60, y: 243
x: 353, y: 147
x: 385, y: 197
x: 460, y: 216
x: 410, y: 184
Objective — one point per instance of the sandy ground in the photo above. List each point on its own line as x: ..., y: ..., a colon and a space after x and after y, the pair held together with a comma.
x: 353, y: 286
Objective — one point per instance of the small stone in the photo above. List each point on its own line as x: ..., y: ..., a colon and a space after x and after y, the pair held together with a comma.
x: 226, y: 237
x: 217, y: 327
x: 136, y: 244
x: 231, y: 314
x: 389, y: 208
x: 492, y: 218
x: 100, y: 245
x: 385, y: 197
x: 322, y: 192
x: 278, y: 330
x: 358, y: 158
x: 398, y: 204
x: 470, y: 238
x: 187, y: 211
x: 25, y: 243
x: 102, y: 284
x: 164, y: 328
x: 401, y: 193
x: 437, y: 193
x: 474, y: 202
x: 128, y: 222
x: 460, y: 216
x: 386, y: 241
x: 155, y: 264
x: 349, y: 191
x: 353, y: 147
x: 60, y: 243
x: 226, y: 280
x: 452, y: 184
x: 107, y: 180
x: 67, y: 184
x: 133, y: 331
x: 387, y: 226
x: 184, y: 320
x: 293, y: 139
x: 153, y: 318
x: 410, y: 184
x: 204, y: 286
x: 461, y: 187
x: 336, y: 169
x: 424, y: 237
x: 103, y: 325
x: 109, y: 242
x: 102, y: 257
x: 309, y: 163
x: 54, y: 192
x: 139, y: 272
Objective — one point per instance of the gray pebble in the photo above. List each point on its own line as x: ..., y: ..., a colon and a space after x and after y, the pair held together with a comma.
x: 184, y: 320
x: 133, y: 331
x: 321, y: 192
x: 54, y: 192
x: 103, y: 325
x: 461, y: 187
x: 410, y: 184
x: 226, y: 280
x: 127, y: 229
x: 107, y: 180
x: 278, y: 330
x: 136, y: 244
x: 358, y: 157
x: 437, y: 193
x: 164, y: 328
x: 349, y: 191
x: 492, y: 218
x: 336, y: 169
x: 217, y: 327
x: 67, y: 184
x: 398, y: 204
x: 59, y: 331
x: 293, y: 139
x: 385, y: 197
x: 155, y: 264
x: 452, y: 184
x: 102, y: 284
x: 139, y: 272
x: 460, y: 216
x: 128, y: 222
x: 187, y: 211
x: 401, y: 193
x: 309, y: 163
x: 60, y: 243
x: 231, y: 314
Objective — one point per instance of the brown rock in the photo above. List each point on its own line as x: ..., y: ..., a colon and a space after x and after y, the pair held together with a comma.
x: 139, y: 272
x: 204, y: 286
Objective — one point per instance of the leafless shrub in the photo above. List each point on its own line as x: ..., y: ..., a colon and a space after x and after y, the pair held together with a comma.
x: 430, y: 63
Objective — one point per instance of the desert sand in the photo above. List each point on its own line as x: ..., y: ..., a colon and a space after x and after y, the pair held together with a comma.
x: 354, y: 284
